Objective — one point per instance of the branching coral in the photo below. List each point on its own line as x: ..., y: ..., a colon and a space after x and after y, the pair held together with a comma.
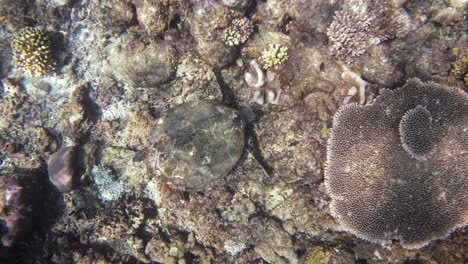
x: 363, y: 23
x: 274, y: 56
x: 396, y: 169
x: 460, y: 68
x: 239, y: 31
x: 262, y: 83
x: 356, y: 85
x: 32, y: 50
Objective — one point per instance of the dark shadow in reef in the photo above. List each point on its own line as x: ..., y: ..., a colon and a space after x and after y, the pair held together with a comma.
x: 251, y: 139
x: 46, y: 207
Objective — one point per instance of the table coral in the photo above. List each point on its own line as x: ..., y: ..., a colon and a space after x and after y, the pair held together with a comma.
x: 396, y: 169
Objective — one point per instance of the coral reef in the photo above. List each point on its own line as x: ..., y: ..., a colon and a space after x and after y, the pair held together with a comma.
x: 403, y: 142
x: 209, y: 20
x: 24, y: 139
x: 460, y: 68
x: 16, y: 13
x: 124, y: 64
x: 143, y: 65
x: 32, y: 52
x: 112, y: 14
x: 237, y: 4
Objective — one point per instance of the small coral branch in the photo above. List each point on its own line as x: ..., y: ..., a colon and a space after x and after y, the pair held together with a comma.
x: 274, y: 56
x: 262, y: 83
x: 239, y: 31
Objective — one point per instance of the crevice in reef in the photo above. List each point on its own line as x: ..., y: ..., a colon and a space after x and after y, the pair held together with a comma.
x: 251, y: 140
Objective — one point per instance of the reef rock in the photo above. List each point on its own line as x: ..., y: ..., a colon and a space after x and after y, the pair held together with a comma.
x: 196, y: 144
x: 143, y: 65
x: 396, y: 169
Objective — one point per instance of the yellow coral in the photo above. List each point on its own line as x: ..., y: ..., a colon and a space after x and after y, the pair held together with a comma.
x: 274, y: 56
x: 32, y: 52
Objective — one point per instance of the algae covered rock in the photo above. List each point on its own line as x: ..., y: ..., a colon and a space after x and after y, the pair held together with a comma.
x: 196, y: 144
x: 143, y: 65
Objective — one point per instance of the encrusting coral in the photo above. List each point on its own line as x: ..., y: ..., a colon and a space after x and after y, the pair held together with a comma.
x: 32, y: 51
x: 396, y: 169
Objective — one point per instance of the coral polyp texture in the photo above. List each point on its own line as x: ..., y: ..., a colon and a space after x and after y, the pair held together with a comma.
x: 239, y: 31
x: 360, y: 24
x: 274, y: 56
x: 396, y: 169
x: 32, y: 52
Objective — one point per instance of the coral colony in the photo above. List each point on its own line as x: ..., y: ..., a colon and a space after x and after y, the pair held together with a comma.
x: 388, y: 165
x: 152, y: 131
x: 32, y: 51
x: 239, y: 31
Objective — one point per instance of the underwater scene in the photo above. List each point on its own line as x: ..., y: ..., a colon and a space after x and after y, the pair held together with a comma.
x: 234, y: 131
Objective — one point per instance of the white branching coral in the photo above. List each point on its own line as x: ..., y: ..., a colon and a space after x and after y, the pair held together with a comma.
x: 262, y: 84
x: 396, y: 169
x: 360, y: 24
x: 357, y: 86
x: 32, y: 52
x: 239, y: 31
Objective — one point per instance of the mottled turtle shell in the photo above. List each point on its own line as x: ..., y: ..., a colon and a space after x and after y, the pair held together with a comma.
x: 196, y: 144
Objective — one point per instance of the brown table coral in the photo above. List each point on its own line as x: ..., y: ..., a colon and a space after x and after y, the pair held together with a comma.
x: 396, y: 169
